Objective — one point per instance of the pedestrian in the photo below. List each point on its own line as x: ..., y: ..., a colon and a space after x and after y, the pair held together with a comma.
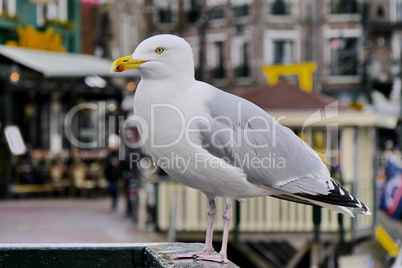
x: 112, y: 169
x: 131, y: 176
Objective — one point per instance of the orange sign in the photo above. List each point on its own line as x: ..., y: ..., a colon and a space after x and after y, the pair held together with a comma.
x: 31, y: 38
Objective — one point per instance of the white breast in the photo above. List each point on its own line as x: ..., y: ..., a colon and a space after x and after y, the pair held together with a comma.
x: 174, y: 144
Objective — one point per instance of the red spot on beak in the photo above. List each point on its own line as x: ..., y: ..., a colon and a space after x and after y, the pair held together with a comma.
x: 120, y: 68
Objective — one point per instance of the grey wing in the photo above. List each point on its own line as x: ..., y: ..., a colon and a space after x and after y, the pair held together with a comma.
x: 269, y: 153
x: 272, y: 155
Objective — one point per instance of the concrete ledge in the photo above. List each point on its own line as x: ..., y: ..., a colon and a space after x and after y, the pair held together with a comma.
x: 101, y: 255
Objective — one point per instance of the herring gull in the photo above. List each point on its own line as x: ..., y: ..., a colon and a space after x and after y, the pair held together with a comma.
x: 219, y: 143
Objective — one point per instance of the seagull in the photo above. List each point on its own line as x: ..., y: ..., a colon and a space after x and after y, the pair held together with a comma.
x: 219, y: 143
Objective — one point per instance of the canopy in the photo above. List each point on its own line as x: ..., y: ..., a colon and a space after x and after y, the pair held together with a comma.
x: 315, y: 118
x: 56, y: 64
x: 294, y: 107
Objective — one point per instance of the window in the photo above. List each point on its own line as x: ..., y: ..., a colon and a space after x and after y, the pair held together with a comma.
x: 217, y: 12
x: 8, y: 7
x: 343, y: 6
x: 56, y: 10
x: 165, y: 15
x: 194, y: 42
x: 128, y: 34
x: 283, y: 11
x: 279, y: 7
x: 283, y: 51
x: 167, y: 11
x: 241, y: 8
x: 194, y: 12
x: 281, y: 46
x: 398, y: 10
x: 216, y: 61
x: 343, y: 56
x: 195, y: 45
x: 241, y: 57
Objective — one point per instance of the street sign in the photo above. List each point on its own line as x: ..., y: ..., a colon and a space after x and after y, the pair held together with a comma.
x: 14, y: 140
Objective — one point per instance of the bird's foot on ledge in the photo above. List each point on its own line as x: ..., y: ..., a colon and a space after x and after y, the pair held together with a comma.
x: 203, y: 256
x: 190, y: 255
x: 215, y: 258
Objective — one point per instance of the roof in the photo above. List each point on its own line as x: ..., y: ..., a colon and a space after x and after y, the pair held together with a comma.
x: 294, y: 107
x: 60, y: 64
x: 287, y: 96
x: 347, y: 118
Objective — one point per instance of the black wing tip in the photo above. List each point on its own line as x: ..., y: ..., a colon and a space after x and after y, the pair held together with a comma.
x: 337, y: 195
x: 347, y: 201
x: 310, y: 200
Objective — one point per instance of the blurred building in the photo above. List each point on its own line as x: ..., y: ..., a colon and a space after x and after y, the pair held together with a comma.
x: 61, y: 100
x: 343, y: 37
x: 355, y: 44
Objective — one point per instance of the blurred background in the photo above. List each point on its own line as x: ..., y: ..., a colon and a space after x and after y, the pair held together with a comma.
x: 329, y: 69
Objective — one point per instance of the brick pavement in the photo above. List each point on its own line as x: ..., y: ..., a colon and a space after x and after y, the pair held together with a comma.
x: 68, y: 221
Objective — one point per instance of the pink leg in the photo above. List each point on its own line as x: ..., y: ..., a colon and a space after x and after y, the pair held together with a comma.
x: 222, y: 256
x: 208, y: 249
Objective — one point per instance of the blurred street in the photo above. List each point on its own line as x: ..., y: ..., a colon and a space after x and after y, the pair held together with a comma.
x: 68, y: 221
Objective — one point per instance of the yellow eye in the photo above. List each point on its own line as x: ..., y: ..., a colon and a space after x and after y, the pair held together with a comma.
x: 159, y: 50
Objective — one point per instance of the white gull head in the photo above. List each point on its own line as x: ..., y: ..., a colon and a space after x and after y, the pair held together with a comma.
x: 159, y: 57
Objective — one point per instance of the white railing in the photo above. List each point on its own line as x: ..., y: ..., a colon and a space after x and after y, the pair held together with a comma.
x: 366, y: 193
x: 188, y: 208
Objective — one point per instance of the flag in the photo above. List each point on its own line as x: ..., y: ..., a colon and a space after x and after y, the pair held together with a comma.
x: 391, y: 200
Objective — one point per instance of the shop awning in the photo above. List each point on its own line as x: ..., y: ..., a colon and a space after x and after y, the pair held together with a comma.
x: 315, y: 118
x: 55, y: 64
x: 294, y: 107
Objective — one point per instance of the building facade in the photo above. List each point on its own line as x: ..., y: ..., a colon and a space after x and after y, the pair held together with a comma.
x: 62, y: 17
x: 355, y: 43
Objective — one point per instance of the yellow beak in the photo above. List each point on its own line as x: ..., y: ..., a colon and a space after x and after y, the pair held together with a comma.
x: 125, y: 63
